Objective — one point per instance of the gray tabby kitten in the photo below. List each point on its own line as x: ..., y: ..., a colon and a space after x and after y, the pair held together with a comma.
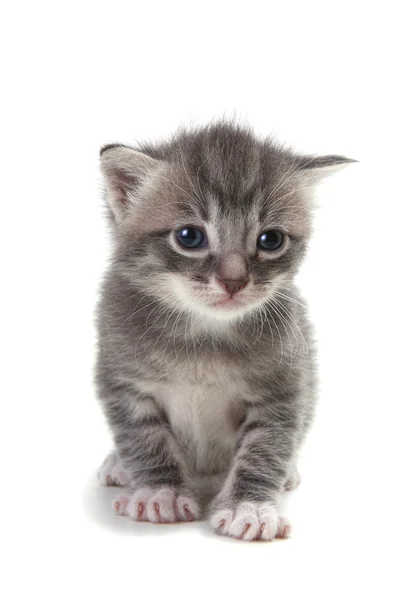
x: 205, y: 363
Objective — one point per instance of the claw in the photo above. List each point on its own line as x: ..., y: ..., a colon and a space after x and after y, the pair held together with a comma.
x: 220, y: 526
x: 188, y: 513
x: 283, y: 531
x: 140, y: 509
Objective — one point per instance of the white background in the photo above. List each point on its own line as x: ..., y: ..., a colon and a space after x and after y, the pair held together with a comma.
x: 76, y: 75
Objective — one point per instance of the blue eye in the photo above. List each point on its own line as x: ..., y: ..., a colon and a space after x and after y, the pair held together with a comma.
x: 191, y: 238
x: 270, y: 240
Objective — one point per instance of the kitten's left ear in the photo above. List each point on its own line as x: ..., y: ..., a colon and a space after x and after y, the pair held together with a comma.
x: 124, y: 170
x: 318, y: 167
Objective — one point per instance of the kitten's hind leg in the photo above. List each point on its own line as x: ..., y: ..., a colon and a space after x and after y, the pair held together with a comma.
x: 112, y: 472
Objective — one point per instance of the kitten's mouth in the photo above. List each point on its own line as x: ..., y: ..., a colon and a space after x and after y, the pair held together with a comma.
x: 228, y: 302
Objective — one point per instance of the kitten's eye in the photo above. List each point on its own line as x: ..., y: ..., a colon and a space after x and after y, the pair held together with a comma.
x: 191, y: 238
x: 270, y: 240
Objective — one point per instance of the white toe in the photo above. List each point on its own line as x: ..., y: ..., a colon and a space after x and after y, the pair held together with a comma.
x: 120, y: 504
x: 137, y: 507
x: 251, y: 521
x: 160, y: 508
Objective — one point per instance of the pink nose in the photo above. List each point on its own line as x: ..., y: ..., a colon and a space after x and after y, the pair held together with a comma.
x: 232, y: 286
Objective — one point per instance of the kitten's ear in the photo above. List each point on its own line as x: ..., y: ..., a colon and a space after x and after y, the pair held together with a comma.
x: 318, y: 167
x: 124, y: 170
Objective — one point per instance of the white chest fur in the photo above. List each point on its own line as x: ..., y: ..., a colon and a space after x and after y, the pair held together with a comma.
x: 204, y: 410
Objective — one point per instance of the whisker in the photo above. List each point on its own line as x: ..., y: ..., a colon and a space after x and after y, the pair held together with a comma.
x: 280, y: 338
x: 174, y: 329
x: 173, y: 311
x: 158, y: 300
x: 289, y: 298
x: 284, y: 322
x: 149, y: 328
x: 193, y: 337
x: 290, y: 316
x: 185, y: 338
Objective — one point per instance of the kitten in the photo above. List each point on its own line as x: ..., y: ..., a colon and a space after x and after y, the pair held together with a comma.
x: 206, y: 361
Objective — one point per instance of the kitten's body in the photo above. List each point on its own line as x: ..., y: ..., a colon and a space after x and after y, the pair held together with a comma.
x: 203, y: 380
x: 199, y: 388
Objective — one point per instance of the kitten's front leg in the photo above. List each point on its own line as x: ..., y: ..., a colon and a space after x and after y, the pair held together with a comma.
x: 246, y: 507
x: 151, y: 459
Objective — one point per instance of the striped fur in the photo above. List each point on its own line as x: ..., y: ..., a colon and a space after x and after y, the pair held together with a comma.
x: 188, y: 388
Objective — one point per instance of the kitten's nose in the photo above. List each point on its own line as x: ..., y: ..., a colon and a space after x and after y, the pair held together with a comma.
x: 232, y: 286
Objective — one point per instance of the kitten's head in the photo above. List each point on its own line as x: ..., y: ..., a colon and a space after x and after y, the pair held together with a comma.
x: 213, y: 222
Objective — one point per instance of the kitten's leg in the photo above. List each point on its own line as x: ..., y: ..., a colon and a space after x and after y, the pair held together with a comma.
x: 112, y: 471
x: 152, y: 460
x: 246, y: 507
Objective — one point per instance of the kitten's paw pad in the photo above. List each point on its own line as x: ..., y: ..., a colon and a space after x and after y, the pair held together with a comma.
x: 112, y: 472
x: 251, y: 521
x: 163, y: 505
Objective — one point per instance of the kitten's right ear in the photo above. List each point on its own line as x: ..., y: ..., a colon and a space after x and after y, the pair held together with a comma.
x: 124, y: 170
x: 318, y: 167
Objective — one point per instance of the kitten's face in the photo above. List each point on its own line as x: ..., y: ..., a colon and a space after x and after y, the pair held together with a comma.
x: 219, y: 261
x: 216, y: 231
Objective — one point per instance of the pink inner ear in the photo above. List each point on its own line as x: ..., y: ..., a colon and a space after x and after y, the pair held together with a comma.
x: 120, y: 195
x: 121, y: 183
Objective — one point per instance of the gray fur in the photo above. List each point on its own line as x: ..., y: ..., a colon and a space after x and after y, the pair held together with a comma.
x: 184, y: 391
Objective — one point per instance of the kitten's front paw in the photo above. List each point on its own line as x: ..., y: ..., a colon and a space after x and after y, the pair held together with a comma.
x: 162, y: 505
x: 251, y: 521
x: 112, y: 472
